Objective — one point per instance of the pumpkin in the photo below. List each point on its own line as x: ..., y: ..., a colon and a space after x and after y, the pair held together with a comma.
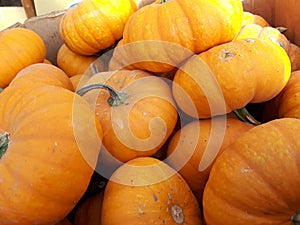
x: 162, y: 35
x: 229, y: 76
x: 266, y: 33
x: 79, y: 80
x: 89, y: 211
x: 136, y: 111
x: 251, y: 18
x: 95, y: 25
x: 73, y: 64
x: 286, y: 103
x: 42, y: 74
x: 272, y: 34
x: 49, y: 143
x: 147, y: 191
x: 193, y: 149
x: 255, y: 181
x: 294, y: 55
x: 19, y: 47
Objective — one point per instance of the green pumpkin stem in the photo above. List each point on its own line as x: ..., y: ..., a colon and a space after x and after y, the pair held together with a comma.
x: 1, y: 89
x: 4, y: 141
x: 116, y: 98
x: 296, y: 218
x: 244, y: 115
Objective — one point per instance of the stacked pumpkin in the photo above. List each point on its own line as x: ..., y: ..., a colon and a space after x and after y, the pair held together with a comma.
x: 146, y: 93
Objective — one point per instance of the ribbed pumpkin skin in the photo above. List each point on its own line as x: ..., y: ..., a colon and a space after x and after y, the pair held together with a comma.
x: 256, y: 181
x: 43, y: 74
x: 237, y: 73
x: 147, y: 191
x: 250, y: 18
x: 19, y: 47
x: 94, y: 25
x: 196, y: 25
x: 53, y: 146
x: 190, y: 146
x: 143, y: 122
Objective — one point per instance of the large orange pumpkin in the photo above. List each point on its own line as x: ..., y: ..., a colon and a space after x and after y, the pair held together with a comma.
x: 147, y: 191
x: 94, y: 25
x: 42, y: 74
x: 49, y: 143
x: 136, y: 110
x: 256, y: 181
x: 229, y: 76
x: 19, y: 47
x: 193, y: 149
x: 251, y: 18
x: 193, y: 25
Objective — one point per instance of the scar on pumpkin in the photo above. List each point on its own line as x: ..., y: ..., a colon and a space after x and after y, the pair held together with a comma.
x: 226, y: 55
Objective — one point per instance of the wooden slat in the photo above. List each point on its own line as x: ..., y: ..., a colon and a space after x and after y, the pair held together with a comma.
x: 29, y: 8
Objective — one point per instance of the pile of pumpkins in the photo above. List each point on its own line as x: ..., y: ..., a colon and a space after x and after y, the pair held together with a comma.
x: 171, y: 111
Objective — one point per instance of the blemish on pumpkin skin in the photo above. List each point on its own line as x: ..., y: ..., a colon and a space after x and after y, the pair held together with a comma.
x: 226, y: 55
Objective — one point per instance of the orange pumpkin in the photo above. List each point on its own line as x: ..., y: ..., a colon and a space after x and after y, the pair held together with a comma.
x: 194, y: 148
x: 147, y: 191
x: 251, y: 18
x: 49, y: 143
x: 272, y: 34
x: 73, y: 64
x: 90, y: 27
x: 192, y: 26
x: 286, y: 103
x: 229, y: 76
x: 256, y: 181
x: 20, y: 47
x: 136, y: 110
x: 42, y: 74
x: 89, y: 211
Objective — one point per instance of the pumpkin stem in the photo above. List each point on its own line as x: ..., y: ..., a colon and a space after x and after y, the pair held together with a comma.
x: 1, y: 89
x: 116, y: 98
x: 4, y: 141
x: 163, y: 1
x: 177, y: 214
x: 244, y: 115
x: 296, y: 218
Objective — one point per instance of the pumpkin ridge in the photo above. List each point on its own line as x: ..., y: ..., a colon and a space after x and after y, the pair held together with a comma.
x: 78, y: 32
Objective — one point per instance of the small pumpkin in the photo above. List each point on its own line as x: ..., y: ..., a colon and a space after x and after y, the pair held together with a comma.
x: 255, y: 181
x: 94, y: 25
x: 89, y: 211
x: 286, y: 103
x: 162, y: 35
x: 136, y: 110
x: 19, y: 47
x: 73, y: 64
x: 194, y: 148
x: 147, y: 191
x: 229, y: 76
x: 49, y: 143
x: 42, y: 74
x: 251, y: 18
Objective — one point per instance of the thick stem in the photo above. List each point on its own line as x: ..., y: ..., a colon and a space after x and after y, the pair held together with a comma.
x: 116, y: 98
x: 245, y: 116
x: 296, y: 218
x: 4, y: 141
